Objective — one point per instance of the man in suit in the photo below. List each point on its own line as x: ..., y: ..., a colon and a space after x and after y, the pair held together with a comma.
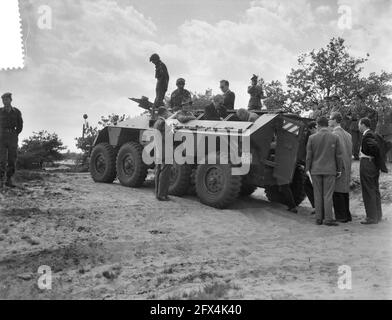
x: 324, y: 163
x: 228, y: 95
x: 370, y: 173
x: 341, y: 197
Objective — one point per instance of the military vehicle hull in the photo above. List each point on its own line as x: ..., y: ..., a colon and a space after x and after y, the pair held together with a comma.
x: 276, y: 152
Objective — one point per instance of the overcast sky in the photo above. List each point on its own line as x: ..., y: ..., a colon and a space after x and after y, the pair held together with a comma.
x: 97, y: 53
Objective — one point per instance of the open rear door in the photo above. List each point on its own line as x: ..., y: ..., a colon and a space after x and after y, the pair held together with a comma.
x: 288, y: 137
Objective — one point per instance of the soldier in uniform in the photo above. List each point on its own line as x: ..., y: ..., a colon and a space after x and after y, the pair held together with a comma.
x: 256, y: 92
x: 11, y: 125
x: 162, y: 76
x: 180, y: 96
x: 186, y: 114
x: 162, y: 170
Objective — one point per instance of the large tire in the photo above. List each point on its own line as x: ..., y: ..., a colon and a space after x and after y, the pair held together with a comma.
x: 180, y: 180
x: 216, y: 186
x: 131, y: 170
x: 103, y: 163
x: 297, y: 188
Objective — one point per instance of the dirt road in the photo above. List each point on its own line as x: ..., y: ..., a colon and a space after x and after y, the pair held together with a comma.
x: 109, y: 242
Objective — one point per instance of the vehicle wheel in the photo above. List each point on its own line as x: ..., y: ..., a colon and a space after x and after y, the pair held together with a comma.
x: 131, y: 170
x: 180, y: 180
x: 274, y: 194
x: 103, y: 163
x: 216, y: 186
x: 247, y: 188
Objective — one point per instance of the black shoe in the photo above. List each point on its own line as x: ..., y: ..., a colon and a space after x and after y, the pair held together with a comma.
x: 367, y: 222
x: 319, y: 222
x: 331, y: 224
x: 342, y: 220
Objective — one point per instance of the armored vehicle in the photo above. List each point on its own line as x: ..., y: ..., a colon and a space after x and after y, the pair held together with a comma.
x: 276, y: 156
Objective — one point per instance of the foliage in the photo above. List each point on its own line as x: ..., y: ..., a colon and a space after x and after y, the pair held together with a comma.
x: 39, y: 148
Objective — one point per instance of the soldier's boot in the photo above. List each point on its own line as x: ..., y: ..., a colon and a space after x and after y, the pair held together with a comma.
x: 9, y: 183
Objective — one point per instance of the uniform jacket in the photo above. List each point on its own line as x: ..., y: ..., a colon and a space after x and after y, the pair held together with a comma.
x: 229, y: 100
x: 346, y: 146
x: 178, y: 98
x: 162, y: 75
x: 256, y: 94
x: 324, y: 155
x: 11, y: 120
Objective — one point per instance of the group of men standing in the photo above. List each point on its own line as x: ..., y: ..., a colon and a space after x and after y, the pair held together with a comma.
x: 328, y: 163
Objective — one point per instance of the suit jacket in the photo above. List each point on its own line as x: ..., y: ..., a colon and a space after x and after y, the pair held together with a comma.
x: 346, y: 146
x: 371, y: 147
x: 324, y: 155
x: 229, y: 100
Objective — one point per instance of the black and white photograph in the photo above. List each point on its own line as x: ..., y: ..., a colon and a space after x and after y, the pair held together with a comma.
x: 171, y: 151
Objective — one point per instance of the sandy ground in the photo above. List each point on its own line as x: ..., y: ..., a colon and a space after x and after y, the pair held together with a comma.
x: 110, y: 242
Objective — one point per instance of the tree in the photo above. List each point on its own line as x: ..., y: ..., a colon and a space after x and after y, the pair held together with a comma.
x: 41, y: 147
x: 276, y: 95
x: 328, y: 72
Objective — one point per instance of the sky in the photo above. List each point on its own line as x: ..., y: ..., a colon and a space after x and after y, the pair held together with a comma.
x: 96, y: 53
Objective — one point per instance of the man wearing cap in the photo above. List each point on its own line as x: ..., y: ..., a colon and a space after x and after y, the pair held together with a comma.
x: 256, y: 94
x: 162, y: 76
x: 11, y: 125
x: 180, y: 96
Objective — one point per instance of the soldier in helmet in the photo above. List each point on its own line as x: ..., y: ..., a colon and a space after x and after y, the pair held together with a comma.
x: 11, y: 125
x: 256, y: 94
x: 162, y: 76
x: 180, y: 96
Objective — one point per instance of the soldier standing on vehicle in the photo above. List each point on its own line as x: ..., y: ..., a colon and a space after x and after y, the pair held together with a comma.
x: 256, y: 92
x: 11, y: 125
x: 162, y: 170
x: 162, y: 76
x: 180, y: 96
x: 228, y: 95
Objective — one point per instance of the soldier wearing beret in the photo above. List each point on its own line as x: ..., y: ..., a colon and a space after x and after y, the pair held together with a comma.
x: 180, y: 96
x: 11, y: 125
x: 162, y: 76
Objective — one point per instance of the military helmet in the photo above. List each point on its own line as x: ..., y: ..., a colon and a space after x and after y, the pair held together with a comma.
x: 155, y: 57
x: 180, y: 81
